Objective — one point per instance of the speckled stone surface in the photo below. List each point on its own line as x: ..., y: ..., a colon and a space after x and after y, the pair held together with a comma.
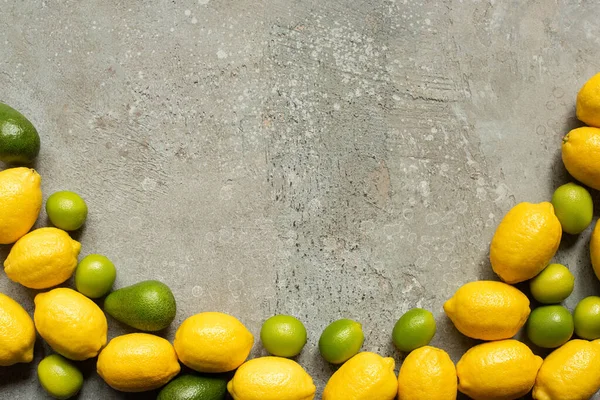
x: 324, y: 159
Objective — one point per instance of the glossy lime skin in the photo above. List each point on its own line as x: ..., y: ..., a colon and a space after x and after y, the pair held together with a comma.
x: 95, y: 276
x: 193, y: 387
x: 573, y: 207
x: 19, y: 140
x: 550, y: 326
x: 341, y: 340
x: 587, y: 318
x: 414, y: 329
x: 283, y: 335
x: 553, y: 285
x: 66, y: 210
x: 59, y: 377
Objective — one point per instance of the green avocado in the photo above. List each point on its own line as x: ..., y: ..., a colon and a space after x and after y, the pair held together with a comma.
x: 147, y: 306
x: 19, y: 140
x: 192, y: 387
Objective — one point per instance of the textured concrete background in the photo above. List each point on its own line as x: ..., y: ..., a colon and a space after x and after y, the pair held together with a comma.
x: 325, y: 159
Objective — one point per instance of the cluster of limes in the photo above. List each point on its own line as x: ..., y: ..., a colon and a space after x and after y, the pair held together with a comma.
x: 214, y: 343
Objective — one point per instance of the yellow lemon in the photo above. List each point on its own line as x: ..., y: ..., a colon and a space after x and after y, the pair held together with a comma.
x: 588, y: 102
x: 525, y: 241
x: 366, y: 376
x: 595, y: 249
x: 137, y: 362
x: 43, y: 258
x: 427, y: 373
x: 581, y: 155
x: 570, y: 372
x: 20, y: 202
x: 213, y: 342
x: 271, y: 378
x: 73, y: 325
x: 502, y: 370
x: 17, y: 333
x: 488, y: 310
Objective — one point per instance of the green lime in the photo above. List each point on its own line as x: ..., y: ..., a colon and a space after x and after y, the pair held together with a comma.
x: 550, y: 326
x: 19, y: 140
x: 283, y: 336
x: 552, y: 285
x: 192, y: 387
x: 59, y: 377
x: 341, y: 340
x: 573, y: 207
x: 94, y: 276
x: 587, y: 318
x: 66, y: 210
x: 414, y: 329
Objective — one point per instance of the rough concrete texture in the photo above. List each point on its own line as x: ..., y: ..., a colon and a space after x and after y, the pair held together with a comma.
x: 324, y: 159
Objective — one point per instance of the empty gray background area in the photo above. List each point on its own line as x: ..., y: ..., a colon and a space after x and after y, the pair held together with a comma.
x: 325, y: 159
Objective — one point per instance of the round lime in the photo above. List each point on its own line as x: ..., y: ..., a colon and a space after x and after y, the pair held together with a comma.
x: 573, y: 207
x: 341, y: 340
x: 59, y: 377
x: 283, y: 335
x: 192, y: 387
x: 19, y: 140
x: 587, y: 318
x: 552, y: 285
x: 66, y: 210
x: 414, y: 329
x: 550, y: 326
x: 95, y: 275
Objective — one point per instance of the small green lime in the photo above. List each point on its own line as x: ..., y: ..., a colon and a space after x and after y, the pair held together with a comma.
x: 573, y: 207
x: 19, y: 140
x: 414, y: 329
x: 66, y: 210
x: 94, y: 276
x: 552, y: 285
x: 59, y: 377
x: 192, y: 387
x: 283, y: 335
x: 341, y: 340
x: 587, y: 318
x: 550, y: 326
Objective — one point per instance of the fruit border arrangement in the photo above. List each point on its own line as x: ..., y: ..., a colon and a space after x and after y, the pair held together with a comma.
x: 214, y: 343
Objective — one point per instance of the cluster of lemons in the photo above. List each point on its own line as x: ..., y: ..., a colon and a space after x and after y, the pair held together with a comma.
x: 500, y: 368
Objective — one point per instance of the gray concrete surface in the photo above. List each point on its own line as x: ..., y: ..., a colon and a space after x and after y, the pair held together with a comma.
x: 325, y: 159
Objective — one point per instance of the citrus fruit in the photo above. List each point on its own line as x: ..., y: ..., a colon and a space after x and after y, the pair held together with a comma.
x: 73, y: 325
x: 137, y: 362
x: 43, y: 258
x: 66, y: 210
x: 488, y: 310
x: 525, y: 241
x: 573, y: 207
x: 147, y: 306
x: 17, y: 333
x: 226, y: 342
x: 552, y: 285
x: 586, y: 318
x: 581, y: 155
x: 588, y: 102
x: 95, y: 276
x: 550, y: 326
x: 283, y: 335
x: 19, y: 140
x: 341, y: 340
x: 414, y: 329
x: 500, y: 370
x: 570, y: 372
x: 595, y: 250
x: 271, y: 378
x: 365, y: 376
x: 192, y: 387
x: 20, y: 202
x: 427, y: 373
x: 59, y: 377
